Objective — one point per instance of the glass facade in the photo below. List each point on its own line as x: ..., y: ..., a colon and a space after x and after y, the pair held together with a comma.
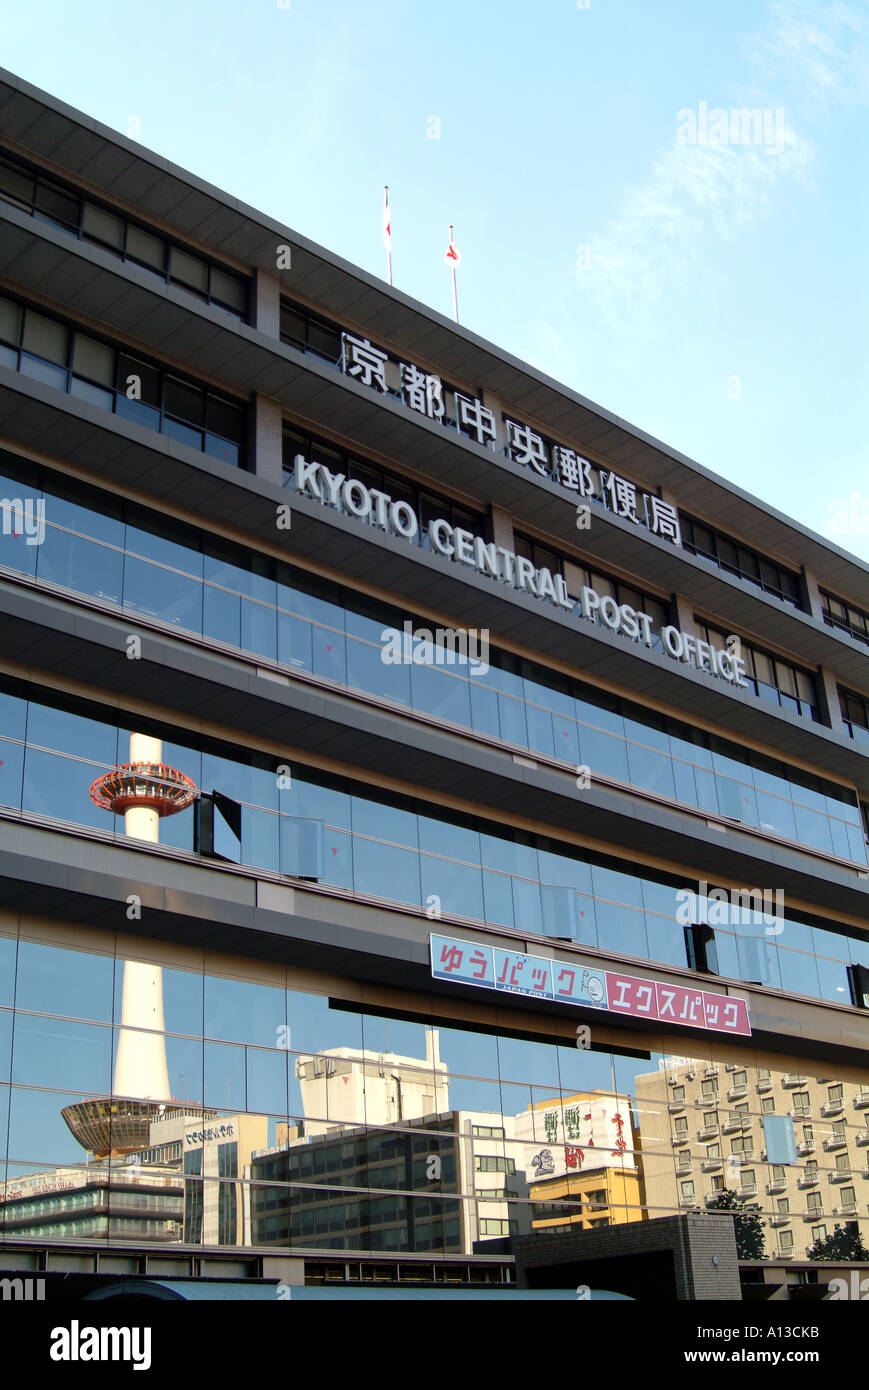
x: 122, y: 555
x: 301, y: 1121
x: 412, y: 853
x: 138, y: 389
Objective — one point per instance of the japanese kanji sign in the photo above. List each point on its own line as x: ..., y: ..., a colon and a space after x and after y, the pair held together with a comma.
x: 584, y: 982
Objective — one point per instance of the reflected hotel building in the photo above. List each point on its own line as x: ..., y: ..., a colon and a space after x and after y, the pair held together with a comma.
x: 445, y: 949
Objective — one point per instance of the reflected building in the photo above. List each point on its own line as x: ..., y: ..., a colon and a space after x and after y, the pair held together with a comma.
x: 517, y: 877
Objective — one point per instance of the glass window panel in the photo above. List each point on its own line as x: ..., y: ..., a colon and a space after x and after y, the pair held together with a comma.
x: 57, y: 729
x: 267, y: 1081
x: 161, y: 593
x: 498, y: 898
x: 539, y: 726
x: 666, y: 939
x: 53, y: 980
x: 522, y: 1060
x: 188, y: 270
x: 37, y: 1130
x: 182, y: 434
x: 93, y: 360
x: 813, y: 828
x: 799, y: 973
x: 45, y: 338
x: 776, y: 815
x: 225, y: 1077
x: 484, y: 709
x: 604, y: 754
x: 15, y: 551
x: 458, y: 887
x: 102, y: 226
x: 508, y: 856
x: 511, y: 718
x: 833, y: 981
x: 222, y: 449
x: 456, y: 841
x: 63, y: 1053
x: 259, y: 839
x: 736, y: 800
x: 650, y: 770
x: 56, y: 205
x: 225, y: 419
x: 441, y: 693
x: 258, y: 629
x: 10, y: 321
x: 45, y: 372
x: 338, y: 859
x: 621, y: 929
x: 82, y: 565
x: 526, y: 905
x: 13, y: 715
x: 329, y: 654
x: 385, y: 871
x: 830, y: 943
x: 563, y: 870
x: 366, y: 670
x: 228, y: 290
x: 243, y: 1011
x: 15, y: 184
x: 185, y: 401
x: 616, y: 886
x: 148, y: 249
x: 94, y: 395
x: 137, y: 412
x: 140, y: 379
x: 221, y: 615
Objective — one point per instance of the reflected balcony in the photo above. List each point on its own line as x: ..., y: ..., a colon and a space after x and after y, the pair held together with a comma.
x: 764, y: 1085
x: 675, y: 1107
x: 861, y: 1100
x: 736, y: 1124
x: 708, y: 1131
x: 863, y: 1139
x: 747, y: 1189
x: 792, y: 1079
x: 831, y: 1108
x: 706, y: 1102
x: 806, y: 1147
x: 680, y: 1138
x: 711, y: 1165
x: 836, y: 1141
x: 845, y: 1209
x: 808, y: 1180
x: 776, y: 1185
x: 780, y: 1218
x: 813, y: 1214
x: 737, y: 1093
x: 840, y: 1175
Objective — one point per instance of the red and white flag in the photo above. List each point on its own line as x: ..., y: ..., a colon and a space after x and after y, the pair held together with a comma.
x: 387, y: 227
x: 452, y: 256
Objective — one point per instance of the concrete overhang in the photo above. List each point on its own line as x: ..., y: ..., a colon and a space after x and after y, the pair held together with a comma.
x: 44, y: 872
x: 146, y: 183
x: 164, y: 320
x: 49, y: 636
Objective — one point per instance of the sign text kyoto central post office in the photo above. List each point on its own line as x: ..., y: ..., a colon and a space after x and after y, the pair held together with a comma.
x: 397, y: 517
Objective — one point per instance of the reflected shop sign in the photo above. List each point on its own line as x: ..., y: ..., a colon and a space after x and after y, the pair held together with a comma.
x: 372, y: 507
x: 584, y: 982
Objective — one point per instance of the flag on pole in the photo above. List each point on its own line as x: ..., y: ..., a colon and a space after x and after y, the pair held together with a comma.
x: 452, y: 259
x: 387, y: 232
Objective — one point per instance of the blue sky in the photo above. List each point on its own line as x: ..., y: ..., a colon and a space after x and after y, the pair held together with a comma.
x: 713, y: 294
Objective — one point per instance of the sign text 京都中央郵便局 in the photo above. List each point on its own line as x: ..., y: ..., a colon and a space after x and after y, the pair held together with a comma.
x: 376, y: 508
x: 428, y: 395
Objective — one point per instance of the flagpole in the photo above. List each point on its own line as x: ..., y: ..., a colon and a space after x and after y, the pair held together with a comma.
x: 453, y: 272
x: 387, y: 233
